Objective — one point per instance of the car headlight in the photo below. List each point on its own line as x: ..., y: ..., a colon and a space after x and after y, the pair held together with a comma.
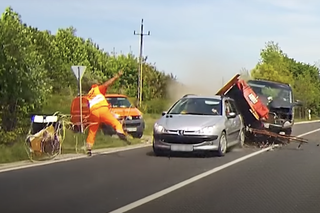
x: 158, y: 128
x: 207, y: 130
x: 140, y: 117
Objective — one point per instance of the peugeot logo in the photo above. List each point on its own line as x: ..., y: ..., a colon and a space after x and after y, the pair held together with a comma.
x: 180, y: 132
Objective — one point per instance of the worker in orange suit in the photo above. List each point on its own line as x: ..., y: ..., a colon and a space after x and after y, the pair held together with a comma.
x: 100, y: 112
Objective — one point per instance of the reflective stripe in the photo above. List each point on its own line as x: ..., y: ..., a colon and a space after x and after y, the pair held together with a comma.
x: 99, y: 98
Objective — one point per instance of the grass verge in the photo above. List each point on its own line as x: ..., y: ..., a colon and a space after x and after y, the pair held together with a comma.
x: 73, y: 142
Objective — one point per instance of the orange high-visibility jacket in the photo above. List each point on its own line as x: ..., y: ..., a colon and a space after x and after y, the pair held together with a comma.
x: 96, y: 98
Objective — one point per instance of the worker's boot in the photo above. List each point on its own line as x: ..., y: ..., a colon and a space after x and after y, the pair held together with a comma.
x: 123, y: 137
x: 89, y: 153
x: 88, y: 150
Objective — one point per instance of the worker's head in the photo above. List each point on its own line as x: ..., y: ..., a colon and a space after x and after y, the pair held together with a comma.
x: 86, y: 86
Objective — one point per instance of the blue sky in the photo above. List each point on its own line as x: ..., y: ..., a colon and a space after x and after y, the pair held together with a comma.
x: 205, y: 40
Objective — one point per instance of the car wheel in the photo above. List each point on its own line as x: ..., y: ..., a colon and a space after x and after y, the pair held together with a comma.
x: 137, y: 135
x: 222, y: 145
x: 107, y: 130
x: 156, y: 151
x: 242, y: 138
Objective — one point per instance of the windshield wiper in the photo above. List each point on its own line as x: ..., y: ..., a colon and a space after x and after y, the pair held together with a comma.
x: 194, y: 113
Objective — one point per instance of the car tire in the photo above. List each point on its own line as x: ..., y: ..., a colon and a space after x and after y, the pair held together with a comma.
x: 156, y: 151
x: 137, y: 135
x: 107, y: 130
x: 223, y: 143
x: 242, y: 138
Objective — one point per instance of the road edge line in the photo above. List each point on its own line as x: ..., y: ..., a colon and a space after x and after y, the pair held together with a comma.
x: 307, y: 122
x: 53, y: 161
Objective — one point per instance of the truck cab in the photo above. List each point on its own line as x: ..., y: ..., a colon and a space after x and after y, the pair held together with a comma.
x: 278, y: 97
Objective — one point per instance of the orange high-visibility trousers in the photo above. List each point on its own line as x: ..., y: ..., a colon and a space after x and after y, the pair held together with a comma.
x: 98, y: 116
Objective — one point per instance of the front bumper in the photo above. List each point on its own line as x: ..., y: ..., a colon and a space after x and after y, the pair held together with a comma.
x: 278, y: 127
x: 132, y: 126
x: 190, y: 143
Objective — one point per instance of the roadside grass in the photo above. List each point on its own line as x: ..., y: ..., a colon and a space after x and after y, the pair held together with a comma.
x: 73, y: 141
x: 150, y: 120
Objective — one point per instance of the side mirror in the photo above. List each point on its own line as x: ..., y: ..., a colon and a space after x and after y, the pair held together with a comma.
x: 298, y: 103
x: 164, y: 112
x: 231, y: 115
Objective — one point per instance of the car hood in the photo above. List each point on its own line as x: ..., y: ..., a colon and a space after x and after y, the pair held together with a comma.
x: 188, y: 122
x: 126, y: 111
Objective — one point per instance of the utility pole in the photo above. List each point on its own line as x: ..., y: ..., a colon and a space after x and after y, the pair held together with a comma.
x: 141, y: 34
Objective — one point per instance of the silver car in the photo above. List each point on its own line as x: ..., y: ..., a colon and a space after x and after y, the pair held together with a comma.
x: 199, y: 123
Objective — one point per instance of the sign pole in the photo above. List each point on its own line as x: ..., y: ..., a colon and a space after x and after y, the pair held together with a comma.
x: 78, y: 72
x: 80, y: 104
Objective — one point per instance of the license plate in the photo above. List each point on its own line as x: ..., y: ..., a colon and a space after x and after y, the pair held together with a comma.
x: 266, y: 125
x: 181, y: 148
x: 132, y: 129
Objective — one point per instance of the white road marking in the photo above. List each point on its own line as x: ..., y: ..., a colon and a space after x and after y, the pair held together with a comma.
x: 307, y: 122
x: 96, y: 152
x: 308, y: 133
x: 194, y: 179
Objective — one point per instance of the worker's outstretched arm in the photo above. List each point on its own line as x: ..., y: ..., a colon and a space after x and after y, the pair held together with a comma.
x: 111, y: 80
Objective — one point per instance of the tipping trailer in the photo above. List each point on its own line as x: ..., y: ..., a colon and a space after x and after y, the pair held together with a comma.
x: 266, y: 108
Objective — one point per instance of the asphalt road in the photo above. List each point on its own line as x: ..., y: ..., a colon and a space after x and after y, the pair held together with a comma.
x: 283, y: 180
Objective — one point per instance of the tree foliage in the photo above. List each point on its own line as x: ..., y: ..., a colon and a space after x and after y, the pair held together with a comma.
x: 35, y: 64
x: 275, y: 65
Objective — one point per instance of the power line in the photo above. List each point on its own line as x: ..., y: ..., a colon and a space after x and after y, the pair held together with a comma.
x: 141, y: 34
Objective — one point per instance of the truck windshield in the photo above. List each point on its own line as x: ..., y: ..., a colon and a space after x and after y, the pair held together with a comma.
x: 273, y: 90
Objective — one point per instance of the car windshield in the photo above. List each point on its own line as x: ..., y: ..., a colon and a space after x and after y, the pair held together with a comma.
x: 119, y: 102
x: 267, y: 90
x: 197, y: 106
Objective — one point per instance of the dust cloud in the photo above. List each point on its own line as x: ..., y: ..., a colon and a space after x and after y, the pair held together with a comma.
x: 202, y: 76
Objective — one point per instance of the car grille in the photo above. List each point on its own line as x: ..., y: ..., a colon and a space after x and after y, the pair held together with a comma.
x: 283, y: 113
x: 176, y: 139
x: 129, y: 117
x: 131, y: 125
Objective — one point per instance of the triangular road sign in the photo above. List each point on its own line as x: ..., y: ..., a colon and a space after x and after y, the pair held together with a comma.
x: 78, y: 71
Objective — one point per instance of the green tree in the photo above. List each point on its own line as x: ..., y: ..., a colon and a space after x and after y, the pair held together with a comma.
x: 36, y: 65
x: 273, y: 65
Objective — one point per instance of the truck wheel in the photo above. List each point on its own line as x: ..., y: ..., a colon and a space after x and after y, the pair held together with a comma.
x: 288, y: 133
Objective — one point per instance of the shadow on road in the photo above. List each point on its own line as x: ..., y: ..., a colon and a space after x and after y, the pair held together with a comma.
x: 184, y: 155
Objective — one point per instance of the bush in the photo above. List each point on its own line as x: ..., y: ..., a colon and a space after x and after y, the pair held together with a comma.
x: 155, y: 106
